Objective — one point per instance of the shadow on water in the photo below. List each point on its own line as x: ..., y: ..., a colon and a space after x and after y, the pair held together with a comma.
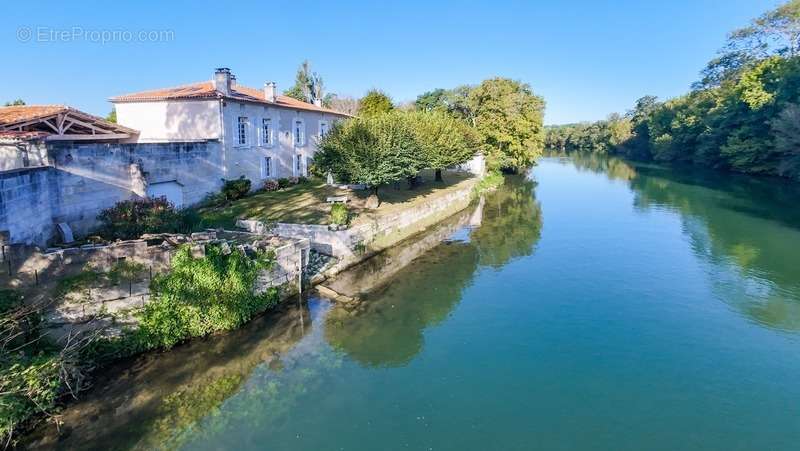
x: 740, y: 225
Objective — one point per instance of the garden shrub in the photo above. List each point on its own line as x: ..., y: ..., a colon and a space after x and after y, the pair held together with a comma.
x: 200, y: 296
x: 339, y: 214
x: 302, y: 180
x: 283, y: 182
x: 236, y: 189
x: 271, y: 185
x: 129, y: 219
x: 294, y: 180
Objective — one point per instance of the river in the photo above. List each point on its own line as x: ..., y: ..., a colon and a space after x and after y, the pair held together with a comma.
x: 594, y: 304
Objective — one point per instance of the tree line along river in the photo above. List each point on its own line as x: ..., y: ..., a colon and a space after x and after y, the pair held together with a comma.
x: 592, y: 304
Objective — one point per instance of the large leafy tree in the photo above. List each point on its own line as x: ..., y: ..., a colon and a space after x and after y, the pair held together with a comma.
x: 508, y: 117
x: 373, y: 150
x: 443, y: 140
x: 776, y: 32
x: 786, y: 128
x: 374, y: 103
x: 452, y: 101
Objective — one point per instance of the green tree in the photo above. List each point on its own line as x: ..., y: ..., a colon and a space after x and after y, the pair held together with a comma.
x: 112, y: 116
x: 308, y: 86
x: 375, y: 102
x: 431, y: 100
x: 17, y: 102
x: 303, y: 83
x: 444, y: 140
x: 509, y: 118
x: 786, y: 128
x: 373, y: 150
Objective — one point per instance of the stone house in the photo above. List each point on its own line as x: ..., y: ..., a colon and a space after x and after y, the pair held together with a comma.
x: 261, y: 134
x: 59, y: 165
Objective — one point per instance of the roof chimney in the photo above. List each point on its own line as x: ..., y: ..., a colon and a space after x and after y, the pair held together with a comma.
x: 270, y: 91
x: 318, y: 102
x: 222, y: 80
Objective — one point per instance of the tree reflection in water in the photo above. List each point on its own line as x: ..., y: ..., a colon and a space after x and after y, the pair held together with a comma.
x: 388, y: 328
x: 742, y: 226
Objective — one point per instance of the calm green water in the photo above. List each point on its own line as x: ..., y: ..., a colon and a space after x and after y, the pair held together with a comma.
x: 593, y: 305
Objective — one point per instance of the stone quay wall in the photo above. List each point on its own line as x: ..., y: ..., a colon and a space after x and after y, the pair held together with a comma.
x: 373, y: 235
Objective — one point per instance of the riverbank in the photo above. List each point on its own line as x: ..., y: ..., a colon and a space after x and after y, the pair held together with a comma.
x: 128, y: 315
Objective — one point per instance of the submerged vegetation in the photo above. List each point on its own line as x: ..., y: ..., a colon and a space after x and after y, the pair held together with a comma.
x: 743, y: 115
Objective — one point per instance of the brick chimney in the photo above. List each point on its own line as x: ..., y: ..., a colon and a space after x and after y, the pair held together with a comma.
x: 222, y: 80
x: 270, y: 91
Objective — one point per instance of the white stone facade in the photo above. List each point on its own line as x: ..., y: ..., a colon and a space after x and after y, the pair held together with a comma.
x: 262, y: 135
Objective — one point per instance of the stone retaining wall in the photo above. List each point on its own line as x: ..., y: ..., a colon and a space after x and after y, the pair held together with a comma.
x: 108, y: 307
x: 82, y: 179
x: 372, y: 235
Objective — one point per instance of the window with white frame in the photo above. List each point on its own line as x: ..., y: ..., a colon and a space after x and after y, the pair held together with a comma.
x: 243, y: 126
x: 266, y: 131
x: 299, y: 133
x: 266, y: 167
x: 323, y: 128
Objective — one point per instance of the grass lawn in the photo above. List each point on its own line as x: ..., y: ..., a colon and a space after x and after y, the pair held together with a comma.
x: 307, y: 204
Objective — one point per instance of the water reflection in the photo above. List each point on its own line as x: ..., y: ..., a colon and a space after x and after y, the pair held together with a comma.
x: 417, y: 284
x: 512, y: 223
x: 754, y: 236
x: 744, y: 227
x: 388, y: 328
x: 158, y: 400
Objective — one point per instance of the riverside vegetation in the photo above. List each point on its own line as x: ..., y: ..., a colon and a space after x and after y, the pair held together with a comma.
x: 743, y: 114
x: 198, y: 297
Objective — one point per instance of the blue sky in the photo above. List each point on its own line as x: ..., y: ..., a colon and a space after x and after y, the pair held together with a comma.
x: 587, y: 58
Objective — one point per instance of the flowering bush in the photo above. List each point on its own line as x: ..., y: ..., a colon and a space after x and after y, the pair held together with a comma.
x: 271, y: 185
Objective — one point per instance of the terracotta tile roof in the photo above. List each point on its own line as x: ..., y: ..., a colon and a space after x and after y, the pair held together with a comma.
x: 12, y: 117
x: 205, y: 90
x: 16, y: 135
x: 24, y: 113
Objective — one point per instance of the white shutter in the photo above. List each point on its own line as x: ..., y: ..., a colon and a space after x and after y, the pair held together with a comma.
x: 263, y: 168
